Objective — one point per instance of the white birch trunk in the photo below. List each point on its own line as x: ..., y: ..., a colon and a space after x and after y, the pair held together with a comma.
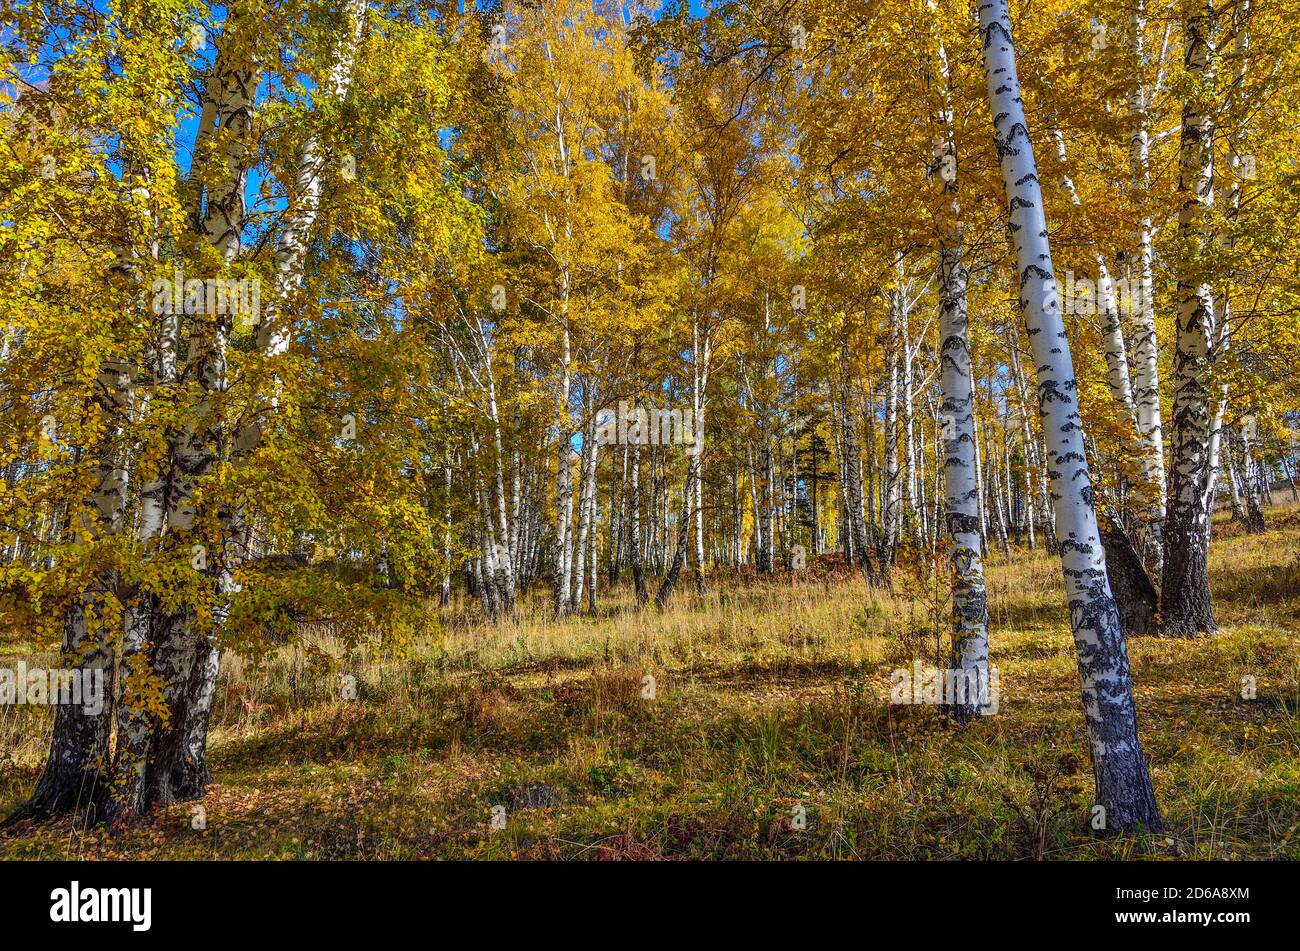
x: 635, y: 541
x: 194, y: 659
x: 852, y: 481
x: 587, y: 488
x: 701, y: 356
x: 958, y: 436
x: 274, y: 333
x: 1146, y: 374
x: 564, y: 486
x: 907, y: 507
x: 970, y: 651
x: 1119, y: 767
x: 892, y: 515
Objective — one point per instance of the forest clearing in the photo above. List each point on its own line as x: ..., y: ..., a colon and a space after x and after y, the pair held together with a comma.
x: 772, y: 696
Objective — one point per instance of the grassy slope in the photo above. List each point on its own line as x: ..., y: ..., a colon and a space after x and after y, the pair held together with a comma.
x: 768, y: 697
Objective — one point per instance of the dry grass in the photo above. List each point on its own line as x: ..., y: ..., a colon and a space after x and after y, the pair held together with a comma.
x: 765, y: 699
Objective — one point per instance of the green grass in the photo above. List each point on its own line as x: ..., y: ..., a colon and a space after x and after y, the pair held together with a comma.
x: 770, y: 698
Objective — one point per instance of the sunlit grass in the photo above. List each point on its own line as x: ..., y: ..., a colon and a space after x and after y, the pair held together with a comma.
x: 769, y: 702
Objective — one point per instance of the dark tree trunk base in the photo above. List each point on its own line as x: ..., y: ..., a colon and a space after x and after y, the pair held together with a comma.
x: 638, y: 582
x: 1185, y: 606
x: 669, y: 583
x: 1254, y: 520
x: 679, y: 558
x: 1127, y: 794
x: 60, y: 793
x: 1130, y: 584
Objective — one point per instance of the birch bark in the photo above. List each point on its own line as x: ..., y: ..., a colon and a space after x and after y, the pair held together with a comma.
x: 1146, y: 373
x: 190, y: 659
x: 1123, y: 783
x: 970, y: 615
x: 635, y: 546
x: 1185, y: 606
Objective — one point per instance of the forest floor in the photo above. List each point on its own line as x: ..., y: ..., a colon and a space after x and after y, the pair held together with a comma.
x: 769, y: 702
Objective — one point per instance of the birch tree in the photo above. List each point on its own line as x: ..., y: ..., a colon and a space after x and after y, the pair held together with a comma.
x: 970, y: 635
x: 1185, y: 589
x: 1146, y: 373
x: 1123, y: 782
